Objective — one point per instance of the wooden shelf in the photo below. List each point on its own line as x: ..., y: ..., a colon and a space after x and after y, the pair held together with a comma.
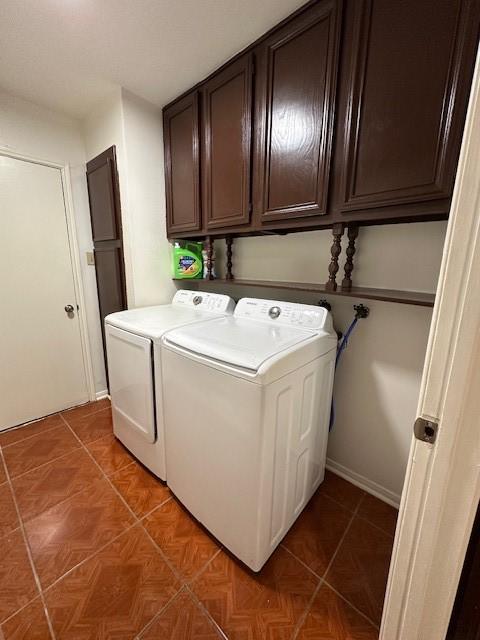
x: 387, y: 295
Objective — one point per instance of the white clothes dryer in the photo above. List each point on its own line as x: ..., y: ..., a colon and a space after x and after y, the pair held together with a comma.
x: 135, y: 372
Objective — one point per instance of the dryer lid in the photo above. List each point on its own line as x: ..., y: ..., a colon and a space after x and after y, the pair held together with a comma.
x: 236, y: 341
x: 152, y: 322
x: 186, y: 307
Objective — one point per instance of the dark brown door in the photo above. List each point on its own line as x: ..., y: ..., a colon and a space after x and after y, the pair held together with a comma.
x: 227, y: 117
x: 297, y: 70
x: 405, y: 85
x: 465, y: 620
x: 105, y: 214
x: 182, y: 165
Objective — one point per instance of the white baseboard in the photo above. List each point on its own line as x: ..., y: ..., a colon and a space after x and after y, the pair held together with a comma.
x: 102, y: 394
x: 364, y: 483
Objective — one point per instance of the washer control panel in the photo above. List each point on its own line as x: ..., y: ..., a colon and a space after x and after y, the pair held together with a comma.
x: 286, y: 313
x: 215, y: 302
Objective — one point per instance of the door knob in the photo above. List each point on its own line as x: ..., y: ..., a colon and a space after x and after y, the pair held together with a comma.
x: 69, y: 308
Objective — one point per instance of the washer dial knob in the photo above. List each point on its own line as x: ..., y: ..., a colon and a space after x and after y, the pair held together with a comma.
x: 274, y: 312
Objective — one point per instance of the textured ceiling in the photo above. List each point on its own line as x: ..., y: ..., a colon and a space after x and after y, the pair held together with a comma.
x: 69, y: 54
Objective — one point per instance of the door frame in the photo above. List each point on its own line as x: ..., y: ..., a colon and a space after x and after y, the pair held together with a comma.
x: 74, y: 252
x: 442, y: 484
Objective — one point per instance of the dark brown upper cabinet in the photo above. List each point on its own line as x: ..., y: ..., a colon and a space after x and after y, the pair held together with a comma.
x: 407, y: 74
x: 227, y: 129
x: 182, y: 165
x: 358, y: 114
x: 296, y: 82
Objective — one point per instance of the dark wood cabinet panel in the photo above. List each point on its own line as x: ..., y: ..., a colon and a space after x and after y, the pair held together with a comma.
x: 103, y: 210
x: 405, y: 84
x: 109, y: 266
x: 227, y: 118
x: 106, y: 220
x: 182, y: 165
x: 354, y: 115
x: 296, y: 80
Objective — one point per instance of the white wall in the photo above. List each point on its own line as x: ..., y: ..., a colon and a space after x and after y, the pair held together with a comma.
x: 146, y: 226
x: 134, y: 126
x: 102, y: 129
x: 378, y: 380
x: 34, y: 131
x: 104, y: 126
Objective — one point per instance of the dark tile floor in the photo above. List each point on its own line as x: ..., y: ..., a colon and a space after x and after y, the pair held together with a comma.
x: 92, y: 546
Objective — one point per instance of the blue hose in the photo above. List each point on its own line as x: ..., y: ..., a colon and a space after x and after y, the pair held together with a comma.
x: 341, y: 347
x: 344, y: 340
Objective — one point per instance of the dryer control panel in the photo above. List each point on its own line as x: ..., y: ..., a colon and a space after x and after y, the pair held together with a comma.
x: 215, y: 302
x: 285, y: 313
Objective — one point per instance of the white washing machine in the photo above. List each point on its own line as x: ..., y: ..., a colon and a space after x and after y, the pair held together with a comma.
x: 135, y: 372
x: 246, y: 443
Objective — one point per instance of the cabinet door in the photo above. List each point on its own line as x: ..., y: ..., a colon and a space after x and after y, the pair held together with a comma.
x: 227, y: 112
x: 106, y: 220
x: 404, y: 93
x: 296, y: 84
x: 182, y: 173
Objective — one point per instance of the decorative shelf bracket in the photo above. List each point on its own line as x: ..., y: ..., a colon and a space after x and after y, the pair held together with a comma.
x: 336, y: 249
x: 352, y: 233
x: 229, y: 274
x: 210, y: 275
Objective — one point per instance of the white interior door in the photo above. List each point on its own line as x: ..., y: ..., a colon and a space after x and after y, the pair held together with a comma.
x: 41, y: 362
x: 442, y: 485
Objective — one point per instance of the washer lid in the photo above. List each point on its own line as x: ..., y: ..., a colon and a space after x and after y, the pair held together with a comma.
x: 236, y: 341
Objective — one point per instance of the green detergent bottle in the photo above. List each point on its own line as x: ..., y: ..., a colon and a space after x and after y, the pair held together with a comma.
x: 187, y: 260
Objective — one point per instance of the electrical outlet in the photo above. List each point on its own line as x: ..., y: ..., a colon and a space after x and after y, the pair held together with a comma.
x: 90, y: 258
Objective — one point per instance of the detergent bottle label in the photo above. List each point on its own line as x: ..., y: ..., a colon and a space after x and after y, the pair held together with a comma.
x: 188, y: 266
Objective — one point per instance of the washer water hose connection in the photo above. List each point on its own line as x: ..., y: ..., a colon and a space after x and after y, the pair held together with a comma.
x: 360, y: 312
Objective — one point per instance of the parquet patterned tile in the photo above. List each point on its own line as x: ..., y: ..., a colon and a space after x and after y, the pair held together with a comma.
x: 103, y: 403
x: 115, y: 594
x: 3, y: 475
x: 314, y: 537
x: 20, y: 433
x: 28, y: 624
x: 17, y: 585
x: 70, y: 532
x: 140, y: 488
x: 331, y: 618
x: 379, y: 513
x: 8, y: 513
x: 92, y: 426
x: 110, y: 454
x: 360, y: 569
x: 29, y: 454
x: 346, y: 493
x: 185, y: 543
x: 245, y: 605
x: 182, y: 620
x: 43, y: 488
x: 85, y: 409
x: 118, y: 591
